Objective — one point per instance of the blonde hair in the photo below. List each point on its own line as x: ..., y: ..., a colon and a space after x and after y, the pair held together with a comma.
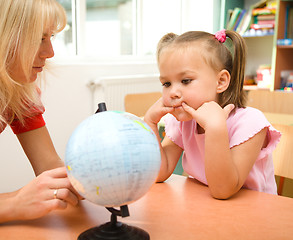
x: 219, y: 56
x: 22, y: 25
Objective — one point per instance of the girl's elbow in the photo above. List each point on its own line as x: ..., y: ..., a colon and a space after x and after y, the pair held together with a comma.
x: 161, y: 179
x: 222, y: 193
x: 221, y: 196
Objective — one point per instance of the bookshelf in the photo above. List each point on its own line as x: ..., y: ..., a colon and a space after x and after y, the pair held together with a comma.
x: 282, y: 55
x: 263, y: 47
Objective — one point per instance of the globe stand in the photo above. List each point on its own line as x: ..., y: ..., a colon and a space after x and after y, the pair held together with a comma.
x: 115, y: 230
x: 101, y: 107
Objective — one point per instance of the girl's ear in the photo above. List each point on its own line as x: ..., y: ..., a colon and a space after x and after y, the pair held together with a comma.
x: 223, y: 80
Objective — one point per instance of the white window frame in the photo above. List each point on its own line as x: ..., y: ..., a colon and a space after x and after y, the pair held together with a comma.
x: 79, y: 20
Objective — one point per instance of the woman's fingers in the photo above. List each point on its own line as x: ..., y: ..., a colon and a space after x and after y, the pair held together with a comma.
x: 57, y: 186
x: 64, y: 194
x: 60, y: 183
x: 57, y: 172
x: 55, y: 204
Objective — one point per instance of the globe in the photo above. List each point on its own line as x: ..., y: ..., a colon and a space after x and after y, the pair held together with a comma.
x: 112, y: 158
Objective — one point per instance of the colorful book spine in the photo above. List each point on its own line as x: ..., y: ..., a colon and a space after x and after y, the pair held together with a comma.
x: 233, y: 19
x: 239, y: 20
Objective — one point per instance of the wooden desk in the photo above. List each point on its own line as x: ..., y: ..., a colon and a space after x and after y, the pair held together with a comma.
x: 180, y: 209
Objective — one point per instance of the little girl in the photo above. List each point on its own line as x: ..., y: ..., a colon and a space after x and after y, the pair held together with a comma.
x: 226, y: 145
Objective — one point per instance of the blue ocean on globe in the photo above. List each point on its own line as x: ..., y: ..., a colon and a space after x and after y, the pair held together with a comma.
x: 112, y: 158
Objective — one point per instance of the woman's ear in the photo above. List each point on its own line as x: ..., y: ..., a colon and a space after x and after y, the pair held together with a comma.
x: 223, y: 80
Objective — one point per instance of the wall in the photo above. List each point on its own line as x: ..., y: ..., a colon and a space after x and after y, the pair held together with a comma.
x: 68, y: 100
x: 259, y: 52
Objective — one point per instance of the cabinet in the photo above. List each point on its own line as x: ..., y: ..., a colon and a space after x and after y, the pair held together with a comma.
x: 264, y: 49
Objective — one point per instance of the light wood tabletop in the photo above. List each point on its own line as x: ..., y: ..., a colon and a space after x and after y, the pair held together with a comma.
x: 181, y: 209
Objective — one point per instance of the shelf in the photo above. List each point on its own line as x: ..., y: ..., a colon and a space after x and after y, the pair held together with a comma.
x: 285, y: 46
x: 250, y: 87
x: 253, y: 87
x: 262, y: 46
x: 262, y: 34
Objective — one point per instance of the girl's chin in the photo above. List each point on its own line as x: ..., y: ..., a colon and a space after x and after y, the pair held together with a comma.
x: 182, y: 116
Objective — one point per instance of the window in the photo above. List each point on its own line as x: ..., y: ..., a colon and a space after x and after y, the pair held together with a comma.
x: 64, y: 43
x: 108, y: 29
x: 105, y: 28
x: 96, y: 28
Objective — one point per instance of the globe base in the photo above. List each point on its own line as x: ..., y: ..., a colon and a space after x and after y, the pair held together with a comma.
x: 117, y: 231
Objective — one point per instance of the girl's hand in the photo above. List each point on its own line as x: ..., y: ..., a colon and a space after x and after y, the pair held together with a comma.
x: 156, y: 112
x: 49, y: 191
x: 209, y: 114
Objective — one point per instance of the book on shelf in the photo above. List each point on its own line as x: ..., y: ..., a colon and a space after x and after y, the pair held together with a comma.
x: 264, y: 17
x: 288, y: 28
x: 233, y: 19
x: 262, y: 26
x: 239, y: 20
x: 286, y: 79
x: 289, y: 22
x: 245, y: 24
x: 284, y: 42
x: 229, y: 14
x: 263, y: 22
x: 267, y: 17
x: 259, y: 17
x: 263, y: 11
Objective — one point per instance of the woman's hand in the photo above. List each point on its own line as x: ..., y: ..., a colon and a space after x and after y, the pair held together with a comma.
x: 209, y: 114
x: 49, y: 191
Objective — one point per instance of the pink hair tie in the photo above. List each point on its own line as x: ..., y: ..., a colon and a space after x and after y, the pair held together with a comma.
x: 221, y: 36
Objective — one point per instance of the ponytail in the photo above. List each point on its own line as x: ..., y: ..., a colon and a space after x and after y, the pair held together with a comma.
x: 235, y: 94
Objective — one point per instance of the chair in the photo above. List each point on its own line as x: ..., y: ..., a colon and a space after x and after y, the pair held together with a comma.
x: 283, y: 155
x: 278, y: 110
x: 139, y: 103
x: 271, y: 101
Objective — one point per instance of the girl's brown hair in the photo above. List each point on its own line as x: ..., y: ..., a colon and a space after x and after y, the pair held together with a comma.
x: 219, y: 56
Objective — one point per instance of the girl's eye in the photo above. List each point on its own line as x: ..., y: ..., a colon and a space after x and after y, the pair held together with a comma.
x: 166, y: 84
x: 186, y: 81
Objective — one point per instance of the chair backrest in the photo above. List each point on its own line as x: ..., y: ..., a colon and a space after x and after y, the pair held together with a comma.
x: 278, y: 108
x: 283, y: 154
x: 139, y: 103
x: 271, y: 101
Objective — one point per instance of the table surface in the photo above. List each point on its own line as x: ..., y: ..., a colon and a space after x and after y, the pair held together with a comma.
x: 181, y: 209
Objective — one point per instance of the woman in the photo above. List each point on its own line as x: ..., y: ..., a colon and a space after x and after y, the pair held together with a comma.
x: 26, y: 28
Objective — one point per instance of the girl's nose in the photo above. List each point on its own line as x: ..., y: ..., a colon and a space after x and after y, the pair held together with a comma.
x: 175, y: 92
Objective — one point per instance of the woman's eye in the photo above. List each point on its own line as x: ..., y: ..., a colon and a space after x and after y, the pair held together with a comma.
x: 186, y: 81
x: 166, y: 84
x: 47, y: 37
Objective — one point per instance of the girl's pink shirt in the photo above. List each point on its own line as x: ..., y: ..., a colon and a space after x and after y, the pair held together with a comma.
x: 242, y: 124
